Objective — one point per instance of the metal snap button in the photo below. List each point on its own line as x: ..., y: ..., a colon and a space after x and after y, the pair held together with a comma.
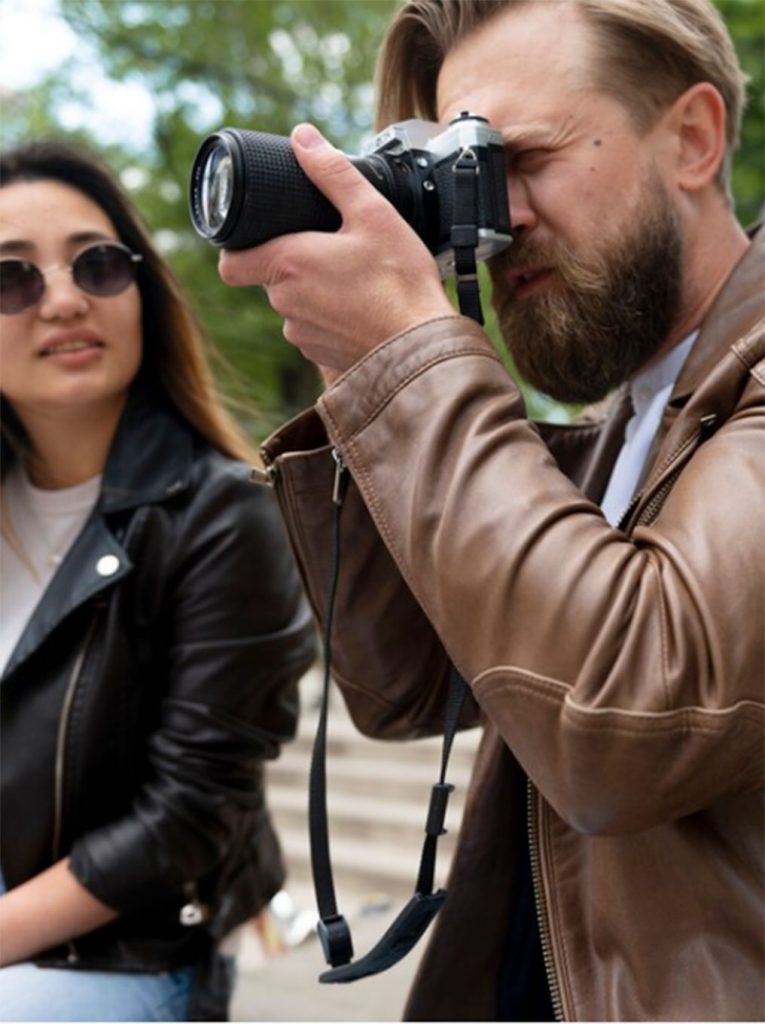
x: 107, y: 565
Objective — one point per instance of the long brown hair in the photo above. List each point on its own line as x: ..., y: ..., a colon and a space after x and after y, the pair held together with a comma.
x: 174, y: 345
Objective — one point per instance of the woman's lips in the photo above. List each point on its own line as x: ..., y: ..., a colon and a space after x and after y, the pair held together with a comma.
x: 71, y: 347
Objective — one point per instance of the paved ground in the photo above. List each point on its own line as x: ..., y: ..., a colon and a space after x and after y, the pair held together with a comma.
x: 285, y: 987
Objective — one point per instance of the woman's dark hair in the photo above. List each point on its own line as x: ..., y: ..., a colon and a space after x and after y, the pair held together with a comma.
x: 174, y: 344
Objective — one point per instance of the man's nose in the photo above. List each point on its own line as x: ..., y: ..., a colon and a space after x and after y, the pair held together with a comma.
x: 62, y: 298
x: 523, y: 218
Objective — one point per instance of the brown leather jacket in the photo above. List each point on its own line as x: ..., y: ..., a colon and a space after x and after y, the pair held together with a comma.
x: 622, y: 669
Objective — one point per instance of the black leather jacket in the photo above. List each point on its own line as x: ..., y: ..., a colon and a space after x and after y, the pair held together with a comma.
x: 154, y: 678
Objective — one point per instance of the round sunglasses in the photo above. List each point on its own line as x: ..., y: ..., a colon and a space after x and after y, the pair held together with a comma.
x: 102, y: 270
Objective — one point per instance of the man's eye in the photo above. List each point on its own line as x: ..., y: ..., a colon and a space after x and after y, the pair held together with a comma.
x: 527, y: 159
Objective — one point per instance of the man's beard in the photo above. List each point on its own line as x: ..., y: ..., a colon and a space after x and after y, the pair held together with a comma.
x: 607, y: 314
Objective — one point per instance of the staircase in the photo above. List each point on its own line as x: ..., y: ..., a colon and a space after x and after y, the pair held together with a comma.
x: 377, y: 801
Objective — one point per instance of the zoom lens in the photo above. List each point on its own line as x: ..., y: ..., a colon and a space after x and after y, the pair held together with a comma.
x: 247, y: 187
x: 217, y: 189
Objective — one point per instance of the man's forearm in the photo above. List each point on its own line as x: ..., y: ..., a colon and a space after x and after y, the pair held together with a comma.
x: 45, y: 911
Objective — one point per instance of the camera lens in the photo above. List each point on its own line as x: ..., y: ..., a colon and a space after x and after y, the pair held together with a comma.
x: 247, y: 187
x: 217, y: 188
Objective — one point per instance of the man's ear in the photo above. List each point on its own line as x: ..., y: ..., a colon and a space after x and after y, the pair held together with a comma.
x: 698, y: 120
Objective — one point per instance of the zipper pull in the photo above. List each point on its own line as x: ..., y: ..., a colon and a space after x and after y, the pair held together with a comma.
x: 340, y: 485
x: 194, y: 912
x: 263, y: 475
x: 707, y: 426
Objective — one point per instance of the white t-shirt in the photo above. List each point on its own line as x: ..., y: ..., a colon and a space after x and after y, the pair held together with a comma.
x: 45, y: 524
x: 649, y: 391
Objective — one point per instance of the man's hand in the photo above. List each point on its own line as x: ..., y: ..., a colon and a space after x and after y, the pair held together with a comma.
x: 341, y: 294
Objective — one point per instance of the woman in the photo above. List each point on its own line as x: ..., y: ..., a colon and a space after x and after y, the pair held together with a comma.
x: 153, y: 628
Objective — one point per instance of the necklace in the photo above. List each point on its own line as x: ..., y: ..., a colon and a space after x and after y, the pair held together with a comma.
x: 44, y: 524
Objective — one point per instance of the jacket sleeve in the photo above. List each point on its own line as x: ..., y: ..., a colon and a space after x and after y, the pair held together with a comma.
x: 240, y: 635
x: 385, y: 654
x: 625, y: 674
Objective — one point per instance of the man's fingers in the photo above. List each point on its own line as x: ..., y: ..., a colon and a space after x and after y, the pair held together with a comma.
x: 331, y: 171
x: 242, y: 267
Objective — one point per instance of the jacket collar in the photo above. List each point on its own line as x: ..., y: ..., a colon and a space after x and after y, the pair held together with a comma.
x: 151, y: 456
x: 150, y: 461
x: 740, y: 304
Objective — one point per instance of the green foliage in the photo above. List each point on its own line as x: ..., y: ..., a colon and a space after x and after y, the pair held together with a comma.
x: 249, y: 63
x: 746, y: 21
x: 266, y: 64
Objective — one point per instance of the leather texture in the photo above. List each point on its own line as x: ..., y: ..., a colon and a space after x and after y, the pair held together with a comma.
x: 139, y: 706
x: 621, y: 669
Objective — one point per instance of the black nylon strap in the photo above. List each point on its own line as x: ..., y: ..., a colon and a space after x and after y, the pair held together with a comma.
x: 464, y: 234
x: 413, y: 920
x: 411, y: 923
x: 333, y: 929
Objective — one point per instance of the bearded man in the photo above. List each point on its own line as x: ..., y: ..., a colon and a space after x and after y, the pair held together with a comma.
x: 600, y: 589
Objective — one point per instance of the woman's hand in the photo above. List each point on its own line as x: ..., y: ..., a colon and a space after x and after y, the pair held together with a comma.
x: 343, y: 293
x: 45, y: 911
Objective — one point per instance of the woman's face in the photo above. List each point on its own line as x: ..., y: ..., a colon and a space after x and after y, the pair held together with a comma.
x: 69, y: 353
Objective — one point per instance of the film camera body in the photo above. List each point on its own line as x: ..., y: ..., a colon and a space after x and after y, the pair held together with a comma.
x: 247, y: 187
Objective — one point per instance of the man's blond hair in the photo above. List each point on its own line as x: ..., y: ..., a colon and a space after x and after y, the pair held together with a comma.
x: 648, y: 53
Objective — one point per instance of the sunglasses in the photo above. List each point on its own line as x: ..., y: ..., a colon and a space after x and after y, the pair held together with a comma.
x: 101, y: 270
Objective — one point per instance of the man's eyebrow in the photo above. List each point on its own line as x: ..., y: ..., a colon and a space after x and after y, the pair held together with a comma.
x: 23, y: 246
x: 525, y: 135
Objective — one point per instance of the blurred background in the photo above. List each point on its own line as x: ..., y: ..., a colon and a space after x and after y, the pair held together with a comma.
x: 143, y: 81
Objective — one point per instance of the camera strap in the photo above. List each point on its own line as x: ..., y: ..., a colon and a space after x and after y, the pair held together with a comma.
x: 464, y: 233
x: 413, y: 920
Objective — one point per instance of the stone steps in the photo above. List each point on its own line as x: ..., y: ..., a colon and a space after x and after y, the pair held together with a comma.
x: 377, y: 801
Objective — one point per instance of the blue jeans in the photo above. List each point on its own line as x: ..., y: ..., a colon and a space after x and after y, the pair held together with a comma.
x: 28, y: 992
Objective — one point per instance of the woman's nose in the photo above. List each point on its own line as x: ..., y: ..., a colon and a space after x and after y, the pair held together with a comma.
x: 62, y: 299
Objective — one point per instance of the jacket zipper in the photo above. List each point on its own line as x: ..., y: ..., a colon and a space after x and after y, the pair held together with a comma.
x: 340, y: 480
x: 265, y: 474
x: 540, y: 901
x: 63, y: 728
x: 679, y: 457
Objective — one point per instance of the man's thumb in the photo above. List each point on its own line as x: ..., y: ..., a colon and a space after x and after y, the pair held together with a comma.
x: 307, y: 137
x: 330, y: 170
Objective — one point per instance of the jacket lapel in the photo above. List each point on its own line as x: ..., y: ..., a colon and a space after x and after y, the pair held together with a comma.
x: 710, y: 381
x: 149, y: 462
x: 95, y: 562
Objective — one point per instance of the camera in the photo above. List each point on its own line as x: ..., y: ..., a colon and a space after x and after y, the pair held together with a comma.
x: 247, y: 187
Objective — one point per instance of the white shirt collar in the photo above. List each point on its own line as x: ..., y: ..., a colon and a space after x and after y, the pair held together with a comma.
x: 648, y: 383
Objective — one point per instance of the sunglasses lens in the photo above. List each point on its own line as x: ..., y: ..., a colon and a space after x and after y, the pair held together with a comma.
x: 21, y: 285
x: 104, y: 270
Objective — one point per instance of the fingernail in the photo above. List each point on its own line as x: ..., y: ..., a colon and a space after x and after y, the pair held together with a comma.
x: 308, y: 137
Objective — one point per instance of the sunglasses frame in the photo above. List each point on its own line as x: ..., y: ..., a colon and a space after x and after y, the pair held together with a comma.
x: 133, y: 259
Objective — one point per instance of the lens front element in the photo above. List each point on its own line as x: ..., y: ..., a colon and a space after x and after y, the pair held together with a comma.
x: 217, y: 188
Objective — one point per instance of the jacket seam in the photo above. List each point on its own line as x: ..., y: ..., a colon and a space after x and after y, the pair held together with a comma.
x: 542, y: 687
x: 433, y: 361
x: 662, y: 617
x: 356, y: 368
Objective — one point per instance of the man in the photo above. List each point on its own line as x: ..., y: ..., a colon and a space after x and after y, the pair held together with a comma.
x: 615, y: 654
